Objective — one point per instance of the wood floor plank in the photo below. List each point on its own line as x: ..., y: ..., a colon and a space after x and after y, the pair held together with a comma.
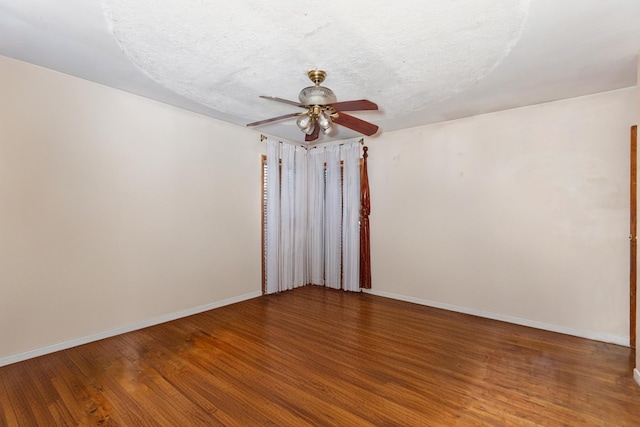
x: 320, y: 357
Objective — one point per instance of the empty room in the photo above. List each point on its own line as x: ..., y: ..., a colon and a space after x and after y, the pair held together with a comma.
x: 297, y: 214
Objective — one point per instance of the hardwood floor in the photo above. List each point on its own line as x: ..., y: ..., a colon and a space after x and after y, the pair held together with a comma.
x: 318, y: 357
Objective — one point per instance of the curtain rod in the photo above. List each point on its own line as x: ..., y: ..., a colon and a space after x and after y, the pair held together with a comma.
x: 264, y: 137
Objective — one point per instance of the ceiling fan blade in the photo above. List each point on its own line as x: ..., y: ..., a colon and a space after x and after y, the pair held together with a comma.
x: 286, y: 101
x: 357, y: 105
x: 356, y: 124
x: 314, y: 135
x: 273, y: 119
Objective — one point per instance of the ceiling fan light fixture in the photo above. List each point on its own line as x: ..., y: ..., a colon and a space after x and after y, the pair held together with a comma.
x: 309, y: 129
x: 325, y: 122
x: 304, y: 121
x: 322, y: 110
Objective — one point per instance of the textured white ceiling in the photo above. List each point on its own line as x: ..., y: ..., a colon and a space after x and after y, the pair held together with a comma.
x: 224, y: 55
x: 422, y: 62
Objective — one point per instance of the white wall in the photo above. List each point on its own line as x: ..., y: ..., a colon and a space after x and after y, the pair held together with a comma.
x: 115, y: 210
x: 519, y: 215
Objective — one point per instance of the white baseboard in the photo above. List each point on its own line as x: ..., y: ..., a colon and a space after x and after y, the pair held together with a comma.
x: 597, y: 336
x: 124, y: 329
x: 636, y: 375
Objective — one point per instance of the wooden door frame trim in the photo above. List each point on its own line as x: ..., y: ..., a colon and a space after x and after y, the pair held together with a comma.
x: 633, y: 150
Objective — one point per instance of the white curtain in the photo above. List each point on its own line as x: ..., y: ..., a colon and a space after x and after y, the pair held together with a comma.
x: 315, y: 233
x: 287, y: 155
x: 333, y: 218
x: 272, y: 233
x: 351, y: 216
x: 313, y: 211
x: 300, y: 218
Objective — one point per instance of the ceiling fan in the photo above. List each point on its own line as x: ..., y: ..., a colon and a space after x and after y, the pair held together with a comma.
x: 323, y: 110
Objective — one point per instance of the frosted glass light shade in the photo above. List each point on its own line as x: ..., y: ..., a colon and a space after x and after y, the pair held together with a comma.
x: 309, y: 130
x: 325, y: 122
x: 317, y: 95
x: 304, y: 121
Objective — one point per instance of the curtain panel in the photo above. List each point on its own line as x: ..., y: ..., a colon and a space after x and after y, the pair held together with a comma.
x: 351, y: 216
x: 333, y: 218
x: 272, y: 233
x: 315, y: 230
